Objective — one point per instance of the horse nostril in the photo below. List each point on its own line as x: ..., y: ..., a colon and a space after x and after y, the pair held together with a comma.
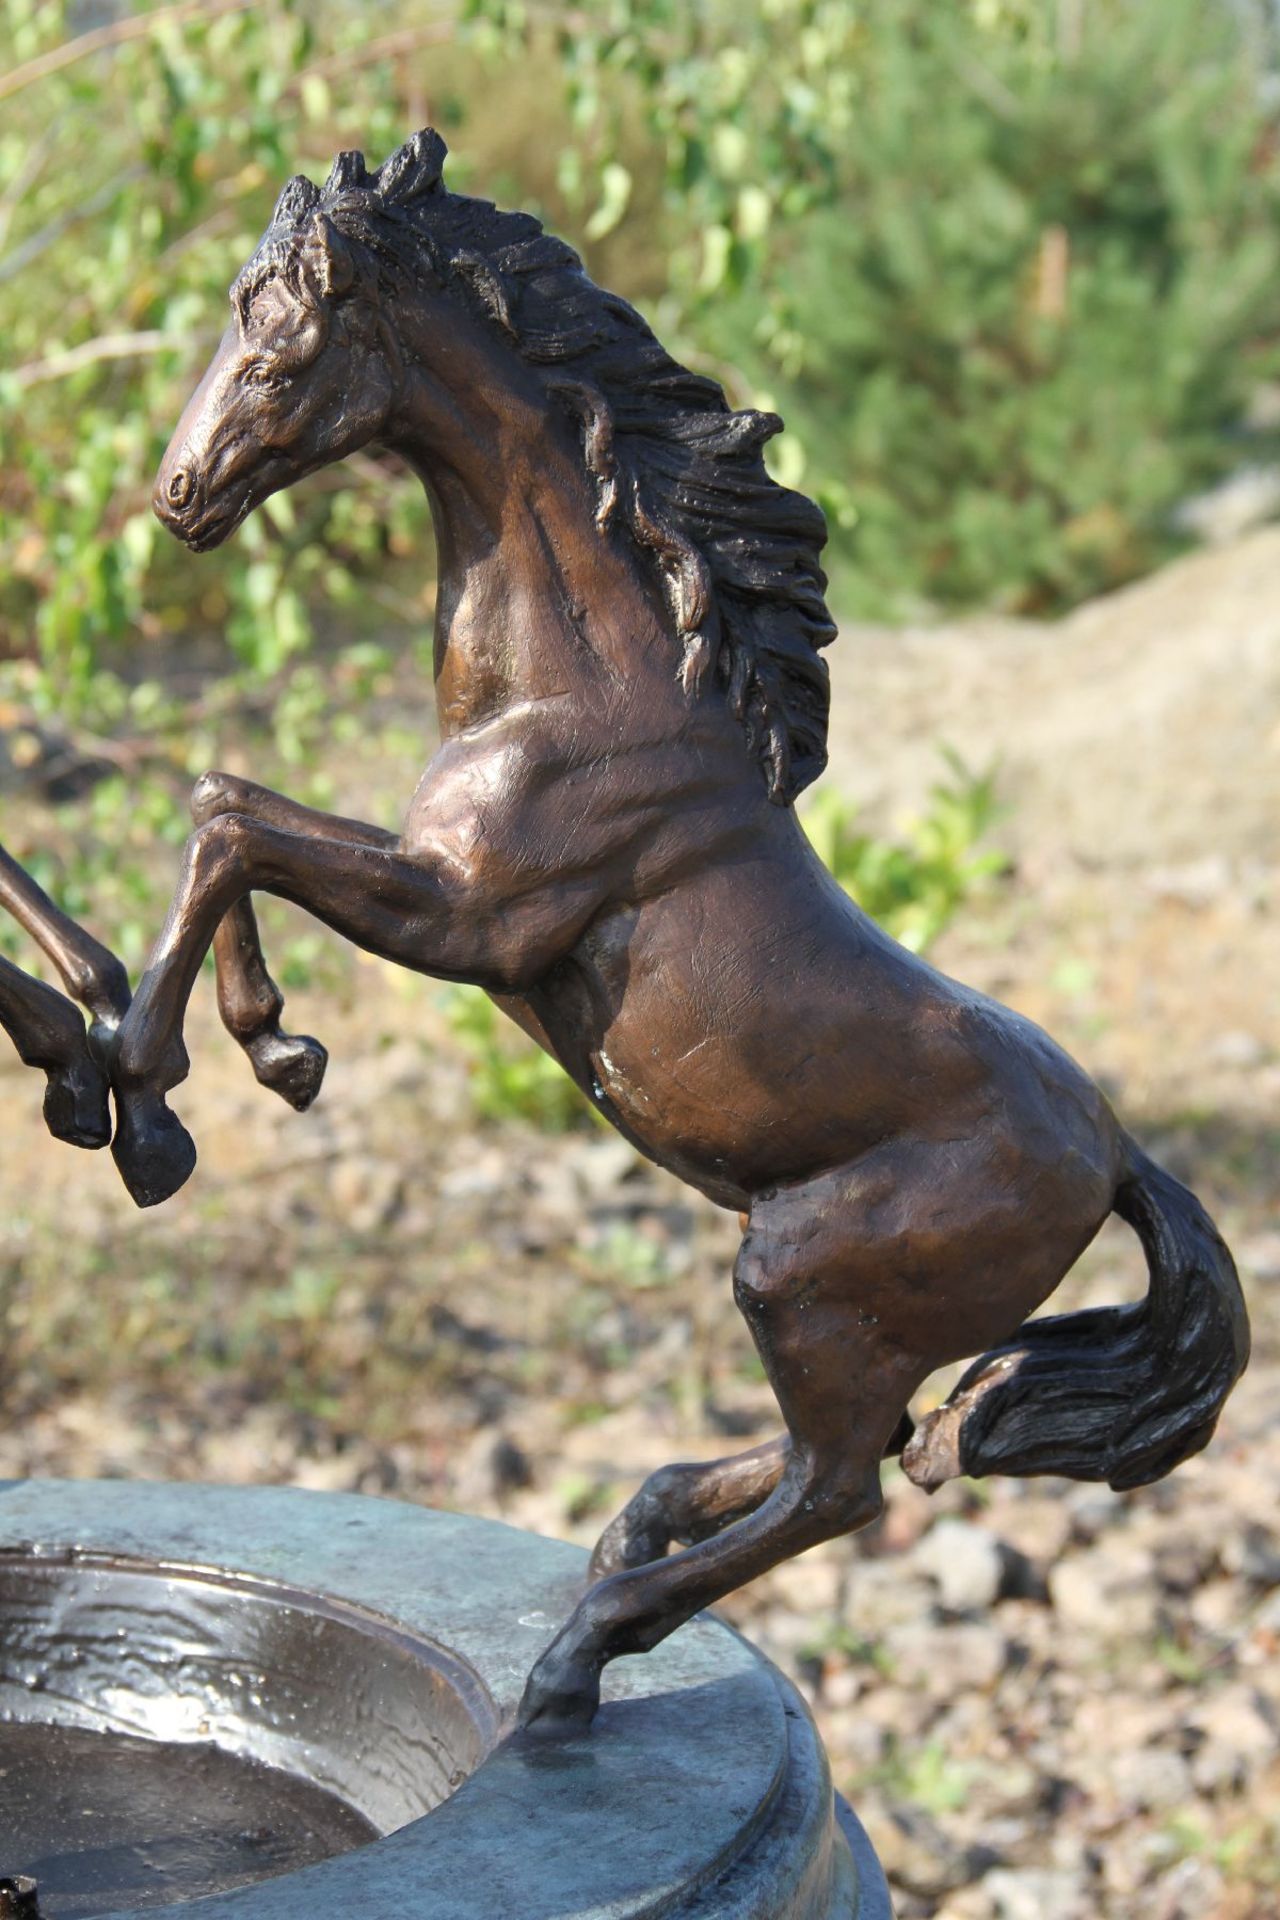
x: 181, y: 488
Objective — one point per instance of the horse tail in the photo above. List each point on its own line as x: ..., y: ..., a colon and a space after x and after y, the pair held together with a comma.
x: 1121, y: 1394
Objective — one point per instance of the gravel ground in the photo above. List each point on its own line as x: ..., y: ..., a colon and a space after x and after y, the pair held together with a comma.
x: 1046, y: 1700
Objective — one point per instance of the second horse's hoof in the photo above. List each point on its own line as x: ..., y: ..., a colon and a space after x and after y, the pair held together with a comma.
x: 290, y: 1064
x: 76, y: 1108
x: 152, y: 1149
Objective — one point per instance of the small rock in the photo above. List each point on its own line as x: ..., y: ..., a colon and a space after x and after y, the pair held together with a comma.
x: 1196, y: 883
x: 919, y: 1856
x: 1237, y: 1738
x: 1218, y: 1607
x: 1193, y: 1890
x: 1253, y: 1553
x: 968, y: 1903
x: 1184, y: 1564
x: 1038, y: 1893
x: 601, y: 1163
x: 1260, y: 1256
x: 966, y: 1562
x: 478, y: 1179
x: 881, y: 1594
x: 1155, y: 1779
x: 958, y: 1658
x: 366, y: 1192
x: 1111, y: 1590
x: 861, y: 1743
x: 1237, y: 1048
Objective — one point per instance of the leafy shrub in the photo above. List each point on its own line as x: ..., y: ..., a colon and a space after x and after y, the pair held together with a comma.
x: 1011, y: 285
x: 510, y: 1077
x: 913, y: 886
x: 1007, y: 268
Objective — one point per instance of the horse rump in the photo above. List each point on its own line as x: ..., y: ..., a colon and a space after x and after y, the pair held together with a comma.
x: 1120, y: 1394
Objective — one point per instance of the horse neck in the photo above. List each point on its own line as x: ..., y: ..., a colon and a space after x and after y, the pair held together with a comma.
x: 533, y: 600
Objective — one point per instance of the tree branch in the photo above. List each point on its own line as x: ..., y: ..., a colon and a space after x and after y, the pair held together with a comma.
x: 132, y: 27
x: 107, y: 346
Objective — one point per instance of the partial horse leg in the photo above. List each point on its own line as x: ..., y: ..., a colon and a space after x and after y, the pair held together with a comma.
x: 92, y: 974
x: 249, y: 1000
x: 842, y: 1387
x: 687, y: 1503
x: 49, y: 1033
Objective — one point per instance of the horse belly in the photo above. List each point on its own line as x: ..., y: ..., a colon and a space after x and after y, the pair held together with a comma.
x: 723, y: 1059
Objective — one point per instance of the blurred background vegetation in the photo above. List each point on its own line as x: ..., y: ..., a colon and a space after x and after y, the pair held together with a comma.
x: 1007, y: 267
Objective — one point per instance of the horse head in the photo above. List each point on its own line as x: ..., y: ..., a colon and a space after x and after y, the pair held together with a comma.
x: 384, y: 307
x: 309, y: 369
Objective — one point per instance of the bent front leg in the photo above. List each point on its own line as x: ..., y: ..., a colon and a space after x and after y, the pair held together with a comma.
x: 411, y: 909
x: 249, y: 1000
x: 49, y: 1033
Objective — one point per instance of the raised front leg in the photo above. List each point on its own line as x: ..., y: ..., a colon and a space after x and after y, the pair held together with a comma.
x: 416, y: 909
x: 49, y: 1033
x: 249, y: 1001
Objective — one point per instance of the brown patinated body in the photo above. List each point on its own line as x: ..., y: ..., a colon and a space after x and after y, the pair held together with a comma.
x: 631, y: 694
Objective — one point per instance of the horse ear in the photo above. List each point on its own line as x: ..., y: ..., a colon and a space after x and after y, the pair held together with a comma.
x: 300, y: 196
x: 348, y: 170
x: 414, y: 169
x: 328, y: 258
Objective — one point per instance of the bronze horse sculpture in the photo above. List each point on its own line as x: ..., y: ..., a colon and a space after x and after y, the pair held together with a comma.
x: 631, y: 695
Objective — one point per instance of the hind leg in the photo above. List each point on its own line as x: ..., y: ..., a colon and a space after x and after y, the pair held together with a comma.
x: 809, y: 1291
x: 688, y: 1503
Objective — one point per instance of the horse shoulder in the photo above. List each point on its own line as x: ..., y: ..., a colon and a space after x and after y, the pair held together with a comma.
x: 535, y: 797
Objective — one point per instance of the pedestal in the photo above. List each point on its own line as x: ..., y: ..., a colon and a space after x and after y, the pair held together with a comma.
x: 284, y: 1705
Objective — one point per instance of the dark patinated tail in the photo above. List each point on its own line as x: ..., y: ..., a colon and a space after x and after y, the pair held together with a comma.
x: 1121, y: 1394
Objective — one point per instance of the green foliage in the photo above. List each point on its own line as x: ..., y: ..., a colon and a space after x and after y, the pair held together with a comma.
x: 1009, y: 278
x: 913, y: 886
x: 510, y: 1077
x: 138, y: 163
x: 928, y: 1777
x: 1007, y: 268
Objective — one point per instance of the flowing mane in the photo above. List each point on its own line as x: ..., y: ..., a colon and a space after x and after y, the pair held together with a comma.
x: 738, y: 553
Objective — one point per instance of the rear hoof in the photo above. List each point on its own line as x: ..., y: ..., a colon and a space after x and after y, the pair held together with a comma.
x: 76, y: 1108
x: 625, y: 1544
x: 561, y: 1698
x: 290, y: 1064
x: 152, y: 1149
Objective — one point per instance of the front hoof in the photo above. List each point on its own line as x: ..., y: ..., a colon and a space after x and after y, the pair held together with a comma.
x: 76, y: 1108
x: 561, y: 1697
x: 290, y: 1064
x: 152, y: 1149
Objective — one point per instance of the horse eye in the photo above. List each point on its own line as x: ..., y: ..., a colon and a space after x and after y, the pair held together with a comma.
x: 265, y: 378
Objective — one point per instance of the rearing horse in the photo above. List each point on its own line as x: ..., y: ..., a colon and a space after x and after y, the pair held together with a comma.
x: 631, y: 695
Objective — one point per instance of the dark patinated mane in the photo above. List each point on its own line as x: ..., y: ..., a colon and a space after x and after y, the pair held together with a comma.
x: 684, y: 470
